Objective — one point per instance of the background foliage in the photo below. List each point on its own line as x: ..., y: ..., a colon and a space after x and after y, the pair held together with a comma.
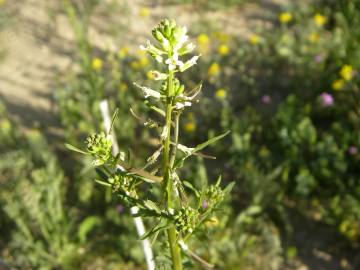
x: 290, y: 97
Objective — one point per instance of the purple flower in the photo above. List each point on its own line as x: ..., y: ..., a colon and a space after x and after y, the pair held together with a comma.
x: 120, y: 208
x: 353, y: 150
x: 266, y: 99
x: 318, y: 58
x: 204, y: 205
x: 326, y: 99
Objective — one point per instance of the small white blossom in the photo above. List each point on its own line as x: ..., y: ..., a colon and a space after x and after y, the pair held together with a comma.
x: 189, y: 63
x: 179, y: 105
x: 148, y: 92
x: 186, y: 150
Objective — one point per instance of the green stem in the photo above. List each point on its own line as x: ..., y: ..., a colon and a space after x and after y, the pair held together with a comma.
x: 168, y: 185
x: 176, y: 140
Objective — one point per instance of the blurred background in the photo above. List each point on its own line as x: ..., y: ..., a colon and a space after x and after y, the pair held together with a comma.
x: 282, y: 75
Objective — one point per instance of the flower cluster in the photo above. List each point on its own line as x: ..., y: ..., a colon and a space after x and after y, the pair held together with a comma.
x: 346, y: 73
x: 122, y: 182
x: 99, y: 146
x: 213, y: 195
x: 173, y: 43
x: 186, y: 219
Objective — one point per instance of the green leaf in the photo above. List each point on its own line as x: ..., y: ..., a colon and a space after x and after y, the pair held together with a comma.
x: 103, y: 175
x: 113, y: 120
x: 229, y: 187
x: 210, y: 141
x: 86, y: 226
x: 152, y: 206
x: 158, y: 110
x: 162, y: 225
x: 75, y: 149
x: 218, y: 181
x: 102, y: 183
x: 190, y: 186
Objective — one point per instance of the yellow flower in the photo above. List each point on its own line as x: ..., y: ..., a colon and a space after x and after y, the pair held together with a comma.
x: 285, y: 17
x: 203, y: 39
x: 214, y: 69
x: 135, y: 65
x: 96, y: 64
x: 124, y: 51
x: 143, y: 61
x: 123, y: 87
x: 150, y: 75
x: 190, y: 127
x: 346, y: 72
x: 314, y: 37
x: 254, y: 39
x: 212, y: 222
x: 223, y: 49
x: 319, y: 19
x: 220, y: 93
x: 2, y: 2
x: 338, y: 84
x: 144, y: 12
x: 221, y: 37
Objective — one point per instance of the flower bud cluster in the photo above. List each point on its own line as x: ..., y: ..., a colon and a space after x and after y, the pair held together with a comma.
x: 173, y: 43
x: 186, y: 219
x: 99, y: 146
x: 121, y: 182
x: 213, y: 195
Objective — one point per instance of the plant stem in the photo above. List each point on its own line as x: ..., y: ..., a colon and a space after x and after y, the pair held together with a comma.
x: 168, y: 184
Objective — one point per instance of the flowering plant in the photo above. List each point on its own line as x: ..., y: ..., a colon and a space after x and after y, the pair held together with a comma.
x: 173, y: 211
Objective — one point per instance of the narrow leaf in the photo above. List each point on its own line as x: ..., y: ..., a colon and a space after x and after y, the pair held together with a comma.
x: 113, y: 120
x: 152, y: 206
x: 75, y: 149
x: 210, y: 141
x: 103, y: 175
x: 160, y: 226
x: 190, y: 186
x: 102, y: 183
x: 229, y: 187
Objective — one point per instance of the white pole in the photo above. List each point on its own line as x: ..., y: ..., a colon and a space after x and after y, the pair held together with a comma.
x: 104, y: 108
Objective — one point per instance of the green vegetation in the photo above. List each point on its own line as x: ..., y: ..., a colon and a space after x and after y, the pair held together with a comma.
x: 289, y: 96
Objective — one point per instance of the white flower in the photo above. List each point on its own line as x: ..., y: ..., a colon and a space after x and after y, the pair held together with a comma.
x: 189, y: 63
x: 186, y: 150
x: 182, y: 104
x: 153, y: 51
x: 148, y: 92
